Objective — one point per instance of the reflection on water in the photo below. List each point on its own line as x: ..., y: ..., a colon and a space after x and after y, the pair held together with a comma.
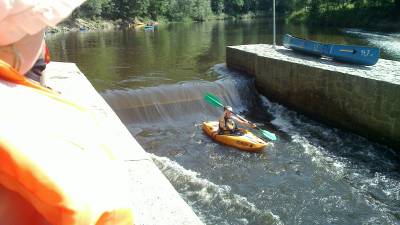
x: 175, y: 52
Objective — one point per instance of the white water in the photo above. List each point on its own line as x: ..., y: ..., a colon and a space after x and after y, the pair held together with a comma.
x: 378, y: 189
x: 389, y: 42
x: 202, y: 193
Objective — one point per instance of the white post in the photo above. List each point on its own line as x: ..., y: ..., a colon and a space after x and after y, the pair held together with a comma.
x: 273, y: 25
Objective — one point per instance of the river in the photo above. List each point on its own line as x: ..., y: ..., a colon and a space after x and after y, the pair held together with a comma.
x: 314, y: 174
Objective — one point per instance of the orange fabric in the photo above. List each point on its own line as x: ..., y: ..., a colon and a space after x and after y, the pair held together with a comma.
x: 8, y: 73
x: 54, y: 157
x: 47, y: 55
x: 13, y: 203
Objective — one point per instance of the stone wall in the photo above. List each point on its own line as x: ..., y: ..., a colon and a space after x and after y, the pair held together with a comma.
x: 365, y: 100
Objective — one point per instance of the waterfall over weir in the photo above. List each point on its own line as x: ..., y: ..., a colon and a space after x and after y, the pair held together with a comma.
x: 177, y: 103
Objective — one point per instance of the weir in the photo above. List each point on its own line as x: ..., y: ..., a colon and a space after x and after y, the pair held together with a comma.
x: 173, y: 103
x: 153, y: 199
x: 362, y: 99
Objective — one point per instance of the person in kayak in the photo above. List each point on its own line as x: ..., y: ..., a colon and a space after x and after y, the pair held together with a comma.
x: 227, y: 125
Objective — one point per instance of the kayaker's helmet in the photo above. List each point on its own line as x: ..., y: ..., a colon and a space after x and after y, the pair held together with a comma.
x: 228, y: 108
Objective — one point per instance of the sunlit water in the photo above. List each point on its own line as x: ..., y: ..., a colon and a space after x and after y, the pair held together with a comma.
x: 314, y: 174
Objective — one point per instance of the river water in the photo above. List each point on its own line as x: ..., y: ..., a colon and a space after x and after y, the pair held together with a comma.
x: 314, y: 174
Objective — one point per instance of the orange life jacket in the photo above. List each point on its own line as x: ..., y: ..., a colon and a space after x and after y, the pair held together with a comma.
x: 46, y: 54
x: 55, y: 166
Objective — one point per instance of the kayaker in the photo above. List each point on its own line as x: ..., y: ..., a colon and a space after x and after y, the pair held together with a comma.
x: 227, y: 123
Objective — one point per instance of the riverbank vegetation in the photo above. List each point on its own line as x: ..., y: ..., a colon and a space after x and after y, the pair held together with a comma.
x: 350, y: 13
x: 171, y: 10
x: 347, y: 13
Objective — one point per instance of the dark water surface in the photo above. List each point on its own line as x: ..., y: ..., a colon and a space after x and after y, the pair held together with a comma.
x: 314, y: 174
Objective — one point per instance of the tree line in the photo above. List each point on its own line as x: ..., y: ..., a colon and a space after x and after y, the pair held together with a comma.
x: 170, y: 10
x: 345, y: 12
x: 309, y: 11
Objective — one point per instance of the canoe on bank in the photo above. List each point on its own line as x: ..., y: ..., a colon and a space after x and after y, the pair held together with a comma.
x: 303, y: 45
x: 360, y: 55
x: 247, y: 142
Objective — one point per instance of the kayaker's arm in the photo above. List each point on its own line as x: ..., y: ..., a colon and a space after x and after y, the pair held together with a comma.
x: 244, y: 122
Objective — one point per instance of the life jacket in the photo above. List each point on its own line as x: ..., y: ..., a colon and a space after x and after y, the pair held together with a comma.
x: 55, y: 166
x: 229, y: 126
x: 46, y: 54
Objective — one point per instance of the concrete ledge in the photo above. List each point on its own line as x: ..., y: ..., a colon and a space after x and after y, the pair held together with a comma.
x: 245, y: 62
x: 362, y: 99
x: 154, y: 200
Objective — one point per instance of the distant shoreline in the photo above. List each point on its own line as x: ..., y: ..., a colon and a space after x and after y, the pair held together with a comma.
x: 105, y: 25
x: 83, y: 25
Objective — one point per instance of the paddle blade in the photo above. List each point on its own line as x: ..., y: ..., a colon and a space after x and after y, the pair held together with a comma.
x: 213, y: 100
x: 268, y: 135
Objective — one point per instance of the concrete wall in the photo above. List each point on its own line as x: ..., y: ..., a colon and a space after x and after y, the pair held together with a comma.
x: 154, y: 200
x: 365, y: 100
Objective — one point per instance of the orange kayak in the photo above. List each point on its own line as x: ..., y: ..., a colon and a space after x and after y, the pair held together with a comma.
x: 247, y: 142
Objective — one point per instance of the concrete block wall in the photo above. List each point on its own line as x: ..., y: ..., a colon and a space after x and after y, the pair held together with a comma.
x: 365, y: 100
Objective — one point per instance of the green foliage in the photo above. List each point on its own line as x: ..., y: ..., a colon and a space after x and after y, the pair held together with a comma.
x: 347, y: 13
x: 316, y: 12
x: 233, y: 7
x: 127, y: 9
x: 201, y: 10
x: 91, y: 8
x: 297, y: 17
x: 158, y: 8
x: 217, y: 6
x: 179, y: 10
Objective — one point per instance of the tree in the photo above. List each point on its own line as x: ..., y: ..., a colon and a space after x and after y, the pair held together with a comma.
x: 158, y: 8
x: 127, y: 9
x: 91, y: 8
x: 249, y: 6
x: 233, y: 7
x: 217, y: 6
x: 264, y: 5
x: 314, y: 11
x: 179, y: 9
x: 200, y: 10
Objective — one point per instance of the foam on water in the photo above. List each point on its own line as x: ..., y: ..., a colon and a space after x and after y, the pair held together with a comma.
x: 388, y: 42
x: 373, y: 177
x: 218, y: 205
